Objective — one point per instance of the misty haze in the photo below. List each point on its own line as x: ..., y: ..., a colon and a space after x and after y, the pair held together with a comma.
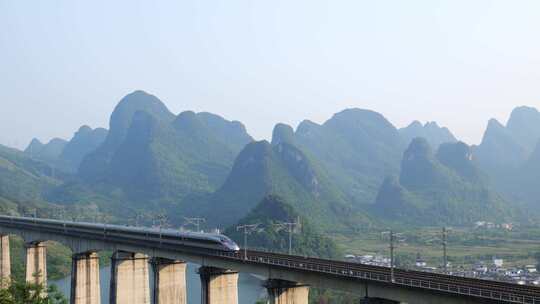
x: 269, y: 152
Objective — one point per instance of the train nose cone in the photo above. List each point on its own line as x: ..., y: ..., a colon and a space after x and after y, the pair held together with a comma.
x: 236, y: 248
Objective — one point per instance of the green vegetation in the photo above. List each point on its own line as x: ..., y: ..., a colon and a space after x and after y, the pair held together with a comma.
x: 465, y: 245
x: 58, y: 260
x: 95, y: 165
x: 358, y: 148
x: 203, y: 165
x: 510, y: 155
x: 326, y: 296
x: 442, y: 189
x: 48, y: 153
x: 506, y: 147
x: 330, y: 174
x: 84, y: 141
x: 151, y: 155
x: 342, y: 178
x: 272, y: 210
x: 306, y: 241
x: 23, y: 179
x: 20, y: 292
x: 262, y: 169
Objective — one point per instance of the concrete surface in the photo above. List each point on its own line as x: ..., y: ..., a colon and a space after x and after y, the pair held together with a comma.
x: 85, y: 288
x: 5, y: 261
x: 36, y: 263
x: 285, y: 292
x: 129, y: 278
x: 169, y: 281
x: 218, y: 286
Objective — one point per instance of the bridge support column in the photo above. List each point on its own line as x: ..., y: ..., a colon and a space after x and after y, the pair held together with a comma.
x: 218, y: 286
x: 36, y: 263
x: 5, y: 261
x: 285, y: 292
x: 129, y: 278
x: 85, y: 279
x: 169, y: 281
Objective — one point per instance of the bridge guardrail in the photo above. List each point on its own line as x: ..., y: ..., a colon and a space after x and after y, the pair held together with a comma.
x: 510, y: 297
x: 415, y: 283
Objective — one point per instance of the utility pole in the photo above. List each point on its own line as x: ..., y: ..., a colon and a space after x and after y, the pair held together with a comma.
x: 248, y: 229
x: 290, y: 227
x: 195, y: 221
x: 137, y: 218
x: 162, y: 219
x: 444, y: 244
x: 392, y: 278
x: 443, y: 240
x: 62, y: 212
x: 32, y: 213
x: 393, y: 237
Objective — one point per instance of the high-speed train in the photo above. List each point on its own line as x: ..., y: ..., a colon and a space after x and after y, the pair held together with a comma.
x: 131, y: 233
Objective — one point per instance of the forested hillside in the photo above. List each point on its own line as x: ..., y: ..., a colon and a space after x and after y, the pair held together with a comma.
x: 268, y: 214
x: 442, y: 188
x: 354, y: 171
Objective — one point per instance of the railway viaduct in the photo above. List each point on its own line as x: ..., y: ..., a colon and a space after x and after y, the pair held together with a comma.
x: 288, y: 278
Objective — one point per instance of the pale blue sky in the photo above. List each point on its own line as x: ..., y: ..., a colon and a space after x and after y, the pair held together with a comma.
x: 65, y: 63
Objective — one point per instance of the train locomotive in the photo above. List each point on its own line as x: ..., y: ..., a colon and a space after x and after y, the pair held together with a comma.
x: 167, y: 237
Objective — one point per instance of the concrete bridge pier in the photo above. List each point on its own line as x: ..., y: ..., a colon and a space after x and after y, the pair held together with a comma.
x: 5, y: 261
x: 218, y: 286
x: 36, y: 263
x: 169, y: 281
x: 129, y: 278
x: 286, y: 292
x: 85, y: 279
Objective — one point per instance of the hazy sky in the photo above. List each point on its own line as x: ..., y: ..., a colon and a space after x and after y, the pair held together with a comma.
x: 67, y: 63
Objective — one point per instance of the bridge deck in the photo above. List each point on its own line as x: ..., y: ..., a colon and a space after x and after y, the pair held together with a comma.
x: 151, y: 238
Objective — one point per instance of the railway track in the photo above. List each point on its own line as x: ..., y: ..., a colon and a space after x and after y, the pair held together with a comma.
x: 493, y: 290
x: 501, y: 291
x: 424, y: 275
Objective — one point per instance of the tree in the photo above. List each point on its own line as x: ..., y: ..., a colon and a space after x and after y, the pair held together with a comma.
x: 30, y: 293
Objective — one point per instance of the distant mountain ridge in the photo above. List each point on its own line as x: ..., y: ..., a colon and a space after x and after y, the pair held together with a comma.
x: 499, y: 149
x: 23, y: 179
x: 524, y: 126
x: 442, y: 188
x: 151, y: 154
x: 67, y: 155
x: 49, y: 152
x: 431, y: 131
x: 263, y: 169
x: 354, y: 170
x: 508, y: 154
x: 509, y: 146
x: 94, y: 165
x: 356, y: 147
x: 84, y: 141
